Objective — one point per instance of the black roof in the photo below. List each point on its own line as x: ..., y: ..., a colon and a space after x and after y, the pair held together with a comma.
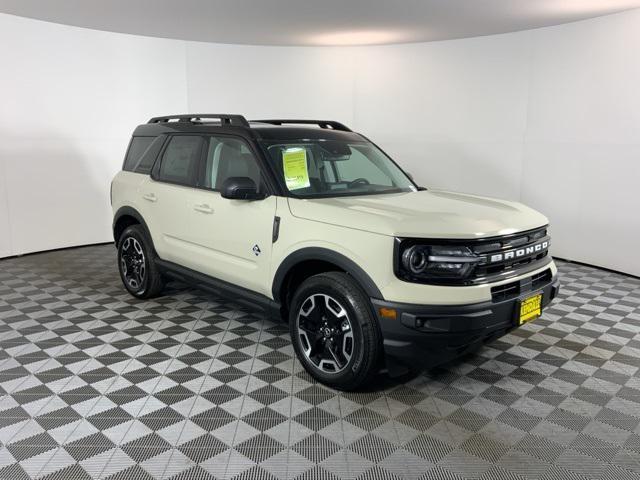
x: 272, y: 129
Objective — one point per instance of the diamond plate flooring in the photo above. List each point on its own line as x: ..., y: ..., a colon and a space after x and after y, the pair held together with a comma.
x: 95, y: 384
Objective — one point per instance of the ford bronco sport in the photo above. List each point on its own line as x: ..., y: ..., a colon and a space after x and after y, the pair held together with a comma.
x: 318, y: 226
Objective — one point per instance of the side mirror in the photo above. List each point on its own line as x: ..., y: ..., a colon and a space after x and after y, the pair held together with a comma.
x: 240, y: 188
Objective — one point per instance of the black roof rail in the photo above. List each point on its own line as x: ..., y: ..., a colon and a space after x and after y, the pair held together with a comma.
x: 321, y: 123
x: 225, y: 119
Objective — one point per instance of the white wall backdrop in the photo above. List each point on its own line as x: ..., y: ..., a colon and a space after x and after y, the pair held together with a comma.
x: 70, y: 99
x: 549, y: 117
x: 583, y: 138
x: 271, y: 82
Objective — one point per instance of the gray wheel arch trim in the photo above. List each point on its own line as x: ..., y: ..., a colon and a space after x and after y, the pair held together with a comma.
x: 325, y: 255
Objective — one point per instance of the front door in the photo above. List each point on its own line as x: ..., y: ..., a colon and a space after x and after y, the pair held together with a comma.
x: 233, y: 237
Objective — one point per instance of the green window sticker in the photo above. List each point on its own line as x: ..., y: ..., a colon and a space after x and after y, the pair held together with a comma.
x: 296, y: 173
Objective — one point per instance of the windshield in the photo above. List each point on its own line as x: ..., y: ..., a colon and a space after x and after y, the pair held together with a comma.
x: 330, y: 168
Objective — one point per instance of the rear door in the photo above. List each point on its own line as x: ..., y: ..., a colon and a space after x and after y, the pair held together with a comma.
x: 166, y: 197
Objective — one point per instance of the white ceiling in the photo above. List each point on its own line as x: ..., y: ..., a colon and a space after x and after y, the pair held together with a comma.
x: 313, y: 22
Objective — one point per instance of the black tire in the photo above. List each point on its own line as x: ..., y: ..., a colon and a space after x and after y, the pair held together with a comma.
x: 150, y: 283
x: 357, y: 358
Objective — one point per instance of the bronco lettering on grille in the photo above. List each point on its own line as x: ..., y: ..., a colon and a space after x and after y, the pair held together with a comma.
x: 519, y: 252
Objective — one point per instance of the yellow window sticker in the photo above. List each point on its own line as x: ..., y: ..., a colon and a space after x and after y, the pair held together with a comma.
x: 296, y: 173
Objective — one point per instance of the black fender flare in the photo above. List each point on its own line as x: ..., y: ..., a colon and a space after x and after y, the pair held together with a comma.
x: 326, y: 255
x: 130, y: 212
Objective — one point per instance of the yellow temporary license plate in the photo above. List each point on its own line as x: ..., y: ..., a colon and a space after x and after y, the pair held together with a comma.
x: 530, y: 308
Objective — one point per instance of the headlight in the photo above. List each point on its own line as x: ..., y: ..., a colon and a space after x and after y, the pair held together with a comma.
x: 424, y: 262
x: 414, y: 259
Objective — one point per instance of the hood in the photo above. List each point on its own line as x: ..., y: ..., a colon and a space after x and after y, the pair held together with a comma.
x: 425, y: 214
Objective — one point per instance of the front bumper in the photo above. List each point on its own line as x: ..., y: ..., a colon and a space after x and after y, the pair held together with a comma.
x: 426, y: 336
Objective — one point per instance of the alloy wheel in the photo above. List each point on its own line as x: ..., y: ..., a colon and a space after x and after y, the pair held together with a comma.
x: 325, y: 332
x: 133, y: 262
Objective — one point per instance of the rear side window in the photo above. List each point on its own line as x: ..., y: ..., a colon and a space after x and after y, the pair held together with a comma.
x: 137, y: 147
x: 180, y: 159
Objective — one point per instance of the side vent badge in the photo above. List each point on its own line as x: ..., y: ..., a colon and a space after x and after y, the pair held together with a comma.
x: 256, y: 250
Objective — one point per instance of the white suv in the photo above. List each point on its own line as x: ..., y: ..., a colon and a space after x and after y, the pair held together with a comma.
x: 318, y: 226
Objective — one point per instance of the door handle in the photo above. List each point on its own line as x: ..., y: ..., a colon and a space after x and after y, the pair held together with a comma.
x: 204, y: 208
x: 150, y: 196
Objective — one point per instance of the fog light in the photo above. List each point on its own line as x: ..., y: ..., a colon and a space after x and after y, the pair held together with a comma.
x: 388, y: 313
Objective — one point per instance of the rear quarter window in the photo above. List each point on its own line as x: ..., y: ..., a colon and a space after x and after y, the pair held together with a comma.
x: 142, y: 154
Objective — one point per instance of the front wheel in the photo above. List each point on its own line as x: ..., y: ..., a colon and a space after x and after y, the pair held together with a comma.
x: 138, y: 270
x: 334, y: 333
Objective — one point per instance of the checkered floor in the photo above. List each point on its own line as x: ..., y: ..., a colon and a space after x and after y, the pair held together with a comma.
x: 95, y: 384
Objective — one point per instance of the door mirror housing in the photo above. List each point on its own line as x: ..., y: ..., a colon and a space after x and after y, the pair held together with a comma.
x: 240, y: 188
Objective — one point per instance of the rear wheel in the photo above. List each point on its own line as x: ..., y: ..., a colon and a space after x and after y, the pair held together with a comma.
x: 334, y: 332
x: 138, y: 270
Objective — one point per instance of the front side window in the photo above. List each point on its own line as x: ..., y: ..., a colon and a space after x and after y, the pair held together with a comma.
x: 180, y: 159
x: 228, y: 157
x: 330, y: 168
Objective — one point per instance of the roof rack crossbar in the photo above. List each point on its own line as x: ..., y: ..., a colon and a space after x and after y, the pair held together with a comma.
x: 321, y: 123
x: 225, y: 119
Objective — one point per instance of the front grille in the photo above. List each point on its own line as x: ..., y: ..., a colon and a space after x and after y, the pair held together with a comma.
x: 491, y: 247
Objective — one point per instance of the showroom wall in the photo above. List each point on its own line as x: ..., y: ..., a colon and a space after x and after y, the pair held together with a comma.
x: 70, y: 98
x: 582, y: 148
x: 547, y: 116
